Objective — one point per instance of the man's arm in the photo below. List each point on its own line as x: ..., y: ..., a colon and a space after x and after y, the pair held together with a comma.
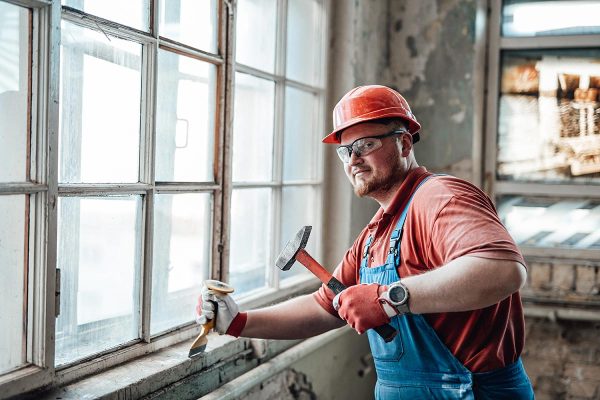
x: 297, y: 318
x: 467, y: 283
x: 464, y: 284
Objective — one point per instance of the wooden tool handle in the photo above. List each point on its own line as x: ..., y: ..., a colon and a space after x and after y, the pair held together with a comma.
x: 386, y: 331
x: 313, y: 266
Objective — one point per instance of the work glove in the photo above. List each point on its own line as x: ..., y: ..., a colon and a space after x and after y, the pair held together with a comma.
x: 360, y: 307
x: 229, y: 320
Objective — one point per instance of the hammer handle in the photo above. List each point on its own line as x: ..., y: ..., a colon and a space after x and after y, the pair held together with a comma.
x: 386, y: 331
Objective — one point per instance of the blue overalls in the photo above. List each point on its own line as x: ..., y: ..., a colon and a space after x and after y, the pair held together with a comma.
x: 417, y: 364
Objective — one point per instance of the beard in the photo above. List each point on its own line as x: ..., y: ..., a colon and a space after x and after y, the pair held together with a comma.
x: 380, y: 182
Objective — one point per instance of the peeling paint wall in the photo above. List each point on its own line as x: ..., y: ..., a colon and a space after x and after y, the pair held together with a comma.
x: 427, y: 50
x: 339, y: 371
x: 432, y: 63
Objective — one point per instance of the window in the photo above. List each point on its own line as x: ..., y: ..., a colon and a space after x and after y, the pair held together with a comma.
x: 276, y: 169
x: 18, y: 192
x: 170, y: 160
x: 543, y: 152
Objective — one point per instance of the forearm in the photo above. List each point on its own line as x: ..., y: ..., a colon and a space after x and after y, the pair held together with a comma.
x: 467, y: 283
x: 297, y: 318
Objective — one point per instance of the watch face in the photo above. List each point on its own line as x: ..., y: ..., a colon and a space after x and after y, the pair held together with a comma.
x: 397, y: 294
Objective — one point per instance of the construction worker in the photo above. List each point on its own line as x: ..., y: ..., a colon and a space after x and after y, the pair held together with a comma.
x: 435, y: 262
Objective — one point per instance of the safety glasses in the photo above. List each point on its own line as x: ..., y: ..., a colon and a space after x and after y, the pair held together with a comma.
x: 364, y: 146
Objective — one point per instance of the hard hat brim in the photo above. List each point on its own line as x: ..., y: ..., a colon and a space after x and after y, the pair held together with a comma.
x: 335, y: 136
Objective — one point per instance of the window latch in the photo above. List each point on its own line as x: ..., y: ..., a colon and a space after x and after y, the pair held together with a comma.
x: 57, y: 294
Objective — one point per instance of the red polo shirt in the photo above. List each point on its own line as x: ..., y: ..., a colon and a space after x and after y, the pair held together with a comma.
x: 448, y: 218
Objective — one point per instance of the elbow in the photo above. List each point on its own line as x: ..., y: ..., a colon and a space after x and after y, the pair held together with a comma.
x: 517, y: 277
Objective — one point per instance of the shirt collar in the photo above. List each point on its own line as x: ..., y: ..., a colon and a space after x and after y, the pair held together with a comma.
x: 402, y: 195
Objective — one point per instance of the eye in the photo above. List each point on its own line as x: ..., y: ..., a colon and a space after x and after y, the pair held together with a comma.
x: 367, y: 144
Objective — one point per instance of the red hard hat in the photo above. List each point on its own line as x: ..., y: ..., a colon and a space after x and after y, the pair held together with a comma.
x: 366, y: 103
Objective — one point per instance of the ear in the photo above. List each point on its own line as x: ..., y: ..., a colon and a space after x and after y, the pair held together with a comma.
x: 407, y: 144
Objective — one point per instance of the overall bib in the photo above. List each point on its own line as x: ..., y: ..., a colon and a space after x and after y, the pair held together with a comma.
x: 417, y: 364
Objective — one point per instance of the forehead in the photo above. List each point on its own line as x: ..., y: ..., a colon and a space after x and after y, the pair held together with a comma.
x: 364, y: 129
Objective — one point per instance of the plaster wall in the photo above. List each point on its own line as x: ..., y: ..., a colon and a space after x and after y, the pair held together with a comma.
x: 430, y: 51
x: 341, y: 370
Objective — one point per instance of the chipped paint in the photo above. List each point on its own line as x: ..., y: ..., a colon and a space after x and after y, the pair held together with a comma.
x: 426, y: 50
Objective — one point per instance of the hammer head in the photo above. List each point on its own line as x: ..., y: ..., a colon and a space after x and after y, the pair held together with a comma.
x: 288, y: 254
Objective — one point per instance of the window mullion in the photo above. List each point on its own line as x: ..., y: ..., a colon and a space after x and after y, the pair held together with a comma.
x: 548, y: 42
x: 278, y: 140
x: 491, y: 117
x: 147, y: 174
x: 542, y: 189
x: 50, y: 78
x: 222, y: 200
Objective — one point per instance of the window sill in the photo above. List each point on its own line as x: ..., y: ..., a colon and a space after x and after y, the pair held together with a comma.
x: 225, y: 358
x: 228, y: 366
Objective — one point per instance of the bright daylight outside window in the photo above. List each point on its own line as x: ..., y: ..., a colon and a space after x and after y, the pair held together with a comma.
x: 548, y: 124
x: 17, y: 200
x: 115, y: 155
x: 112, y: 192
x: 278, y: 114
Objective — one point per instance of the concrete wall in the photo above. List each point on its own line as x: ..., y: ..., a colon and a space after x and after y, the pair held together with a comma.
x: 430, y: 51
x: 341, y: 370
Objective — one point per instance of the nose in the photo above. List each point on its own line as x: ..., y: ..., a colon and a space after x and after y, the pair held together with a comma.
x: 354, y: 159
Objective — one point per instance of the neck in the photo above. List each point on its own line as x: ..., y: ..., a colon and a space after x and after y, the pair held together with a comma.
x: 385, y: 196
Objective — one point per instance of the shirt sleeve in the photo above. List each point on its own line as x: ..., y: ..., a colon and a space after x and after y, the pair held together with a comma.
x: 469, y: 225
x: 346, y: 272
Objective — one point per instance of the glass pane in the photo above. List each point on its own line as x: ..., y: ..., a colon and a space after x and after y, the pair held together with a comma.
x: 14, y: 92
x: 549, y: 116
x: 185, y: 119
x: 182, y: 242
x: 13, y: 312
x: 255, y: 33
x: 253, y: 128
x: 300, y: 144
x: 99, y: 254
x: 543, y: 18
x: 304, y: 38
x: 190, y: 22
x: 99, y: 107
x: 250, y: 239
x: 300, y: 208
x: 552, y: 222
x: 134, y: 13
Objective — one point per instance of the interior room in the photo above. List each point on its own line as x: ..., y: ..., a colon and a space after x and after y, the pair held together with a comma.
x: 156, y: 152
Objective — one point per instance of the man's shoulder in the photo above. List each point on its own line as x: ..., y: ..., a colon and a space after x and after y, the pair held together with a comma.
x: 441, y: 190
x: 443, y: 186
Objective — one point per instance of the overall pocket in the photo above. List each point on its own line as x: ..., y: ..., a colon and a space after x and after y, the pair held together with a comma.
x: 382, y: 351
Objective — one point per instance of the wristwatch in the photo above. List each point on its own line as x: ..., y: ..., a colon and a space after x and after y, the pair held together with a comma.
x: 396, y: 296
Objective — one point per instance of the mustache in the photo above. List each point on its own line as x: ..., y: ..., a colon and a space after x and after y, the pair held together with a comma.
x: 357, y: 170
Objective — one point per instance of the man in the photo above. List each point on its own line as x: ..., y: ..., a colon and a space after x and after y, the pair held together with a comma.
x: 434, y: 262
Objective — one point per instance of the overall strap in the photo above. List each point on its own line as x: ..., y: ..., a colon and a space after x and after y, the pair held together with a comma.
x: 365, y: 259
x: 396, y: 237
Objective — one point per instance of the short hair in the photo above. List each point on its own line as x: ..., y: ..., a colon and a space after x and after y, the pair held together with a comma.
x: 398, y: 122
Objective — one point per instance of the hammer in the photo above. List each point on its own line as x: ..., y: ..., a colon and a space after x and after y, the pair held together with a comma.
x: 294, y: 250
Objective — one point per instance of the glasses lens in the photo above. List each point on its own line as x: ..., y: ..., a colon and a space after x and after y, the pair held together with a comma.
x: 343, y: 153
x: 365, y: 146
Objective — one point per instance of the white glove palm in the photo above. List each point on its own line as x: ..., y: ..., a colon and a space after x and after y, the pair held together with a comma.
x: 226, y: 312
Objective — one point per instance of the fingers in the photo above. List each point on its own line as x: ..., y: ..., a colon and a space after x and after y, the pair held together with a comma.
x: 208, y: 309
x: 213, y: 293
x: 336, y: 301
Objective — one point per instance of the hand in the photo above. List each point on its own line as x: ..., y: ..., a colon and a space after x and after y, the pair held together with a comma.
x: 359, y: 305
x: 229, y: 320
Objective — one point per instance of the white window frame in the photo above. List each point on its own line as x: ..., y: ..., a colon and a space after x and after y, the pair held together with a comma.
x: 274, y: 278
x: 495, y: 187
x: 43, y: 289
